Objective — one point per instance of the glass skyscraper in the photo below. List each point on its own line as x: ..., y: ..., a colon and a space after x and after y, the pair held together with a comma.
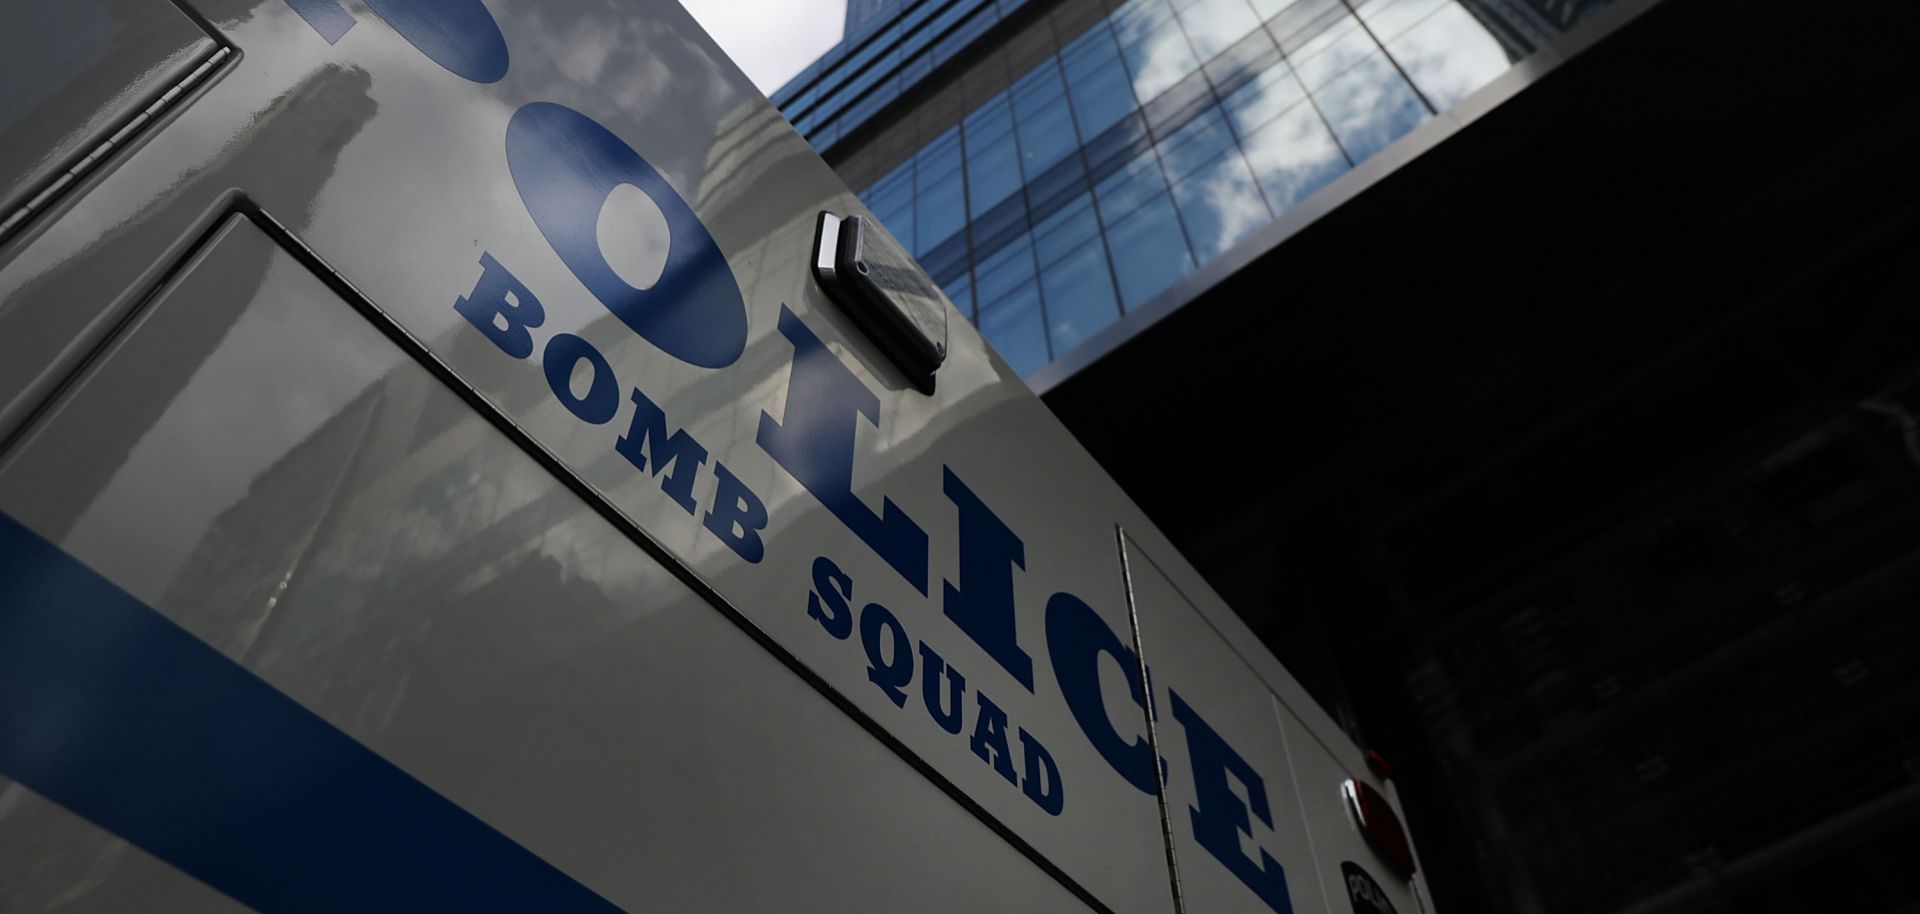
x: 1058, y: 166
x: 863, y: 13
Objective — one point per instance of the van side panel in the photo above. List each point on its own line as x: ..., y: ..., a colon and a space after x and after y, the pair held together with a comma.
x: 373, y: 550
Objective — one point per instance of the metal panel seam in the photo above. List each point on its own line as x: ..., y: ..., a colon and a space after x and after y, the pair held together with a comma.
x: 1153, y: 732
x: 85, y: 162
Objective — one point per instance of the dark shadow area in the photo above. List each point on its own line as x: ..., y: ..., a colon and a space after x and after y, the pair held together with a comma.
x: 1576, y: 467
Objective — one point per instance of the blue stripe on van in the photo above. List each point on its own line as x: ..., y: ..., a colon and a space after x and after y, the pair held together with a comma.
x: 124, y: 718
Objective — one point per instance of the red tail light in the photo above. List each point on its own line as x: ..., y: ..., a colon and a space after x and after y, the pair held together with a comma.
x: 1378, y: 763
x: 1377, y: 821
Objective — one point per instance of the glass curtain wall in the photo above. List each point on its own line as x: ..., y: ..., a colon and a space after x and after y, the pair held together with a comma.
x: 1154, y: 141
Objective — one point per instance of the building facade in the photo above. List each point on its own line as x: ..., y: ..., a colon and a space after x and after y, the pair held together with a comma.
x: 1536, y: 378
x: 1056, y: 167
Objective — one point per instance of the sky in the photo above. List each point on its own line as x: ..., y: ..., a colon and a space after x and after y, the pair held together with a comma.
x: 771, y: 39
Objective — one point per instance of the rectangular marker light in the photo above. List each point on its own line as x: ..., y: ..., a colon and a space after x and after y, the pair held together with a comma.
x: 885, y: 292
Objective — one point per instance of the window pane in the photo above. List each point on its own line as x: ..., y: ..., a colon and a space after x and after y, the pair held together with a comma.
x: 890, y: 205
x: 1294, y: 156
x: 996, y: 227
x: 1390, y: 18
x: 900, y: 178
x: 872, y: 103
x: 1196, y: 144
x: 1149, y: 252
x: 940, y: 206
x: 1132, y: 185
x: 1016, y: 328
x: 1155, y: 49
x: 1102, y: 91
x: 1449, y: 55
x: 1079, y: 296
x: 1253, y: 55
x: 1045, y: 122
x: 1332, y: 52
x: 993, y: 160
x: 1269, y: 95
x: 946, y: 259
x: 1046, y: 193
x: 1219, y: 205
x: 1140, y: 17
x: 952, y: 43
x: 1073, y: 226
x: 1215, y: 25
x: 1369, y: 106
x: 960, y: 291
x: 999, y: 274
x: 1117, y: 145
x: 1303, y: 22
x: 915, y: 70
x: 867, y: 80
x: 891, y: 199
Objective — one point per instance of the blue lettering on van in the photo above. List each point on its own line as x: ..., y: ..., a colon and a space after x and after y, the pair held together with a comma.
x: 502, y: 308
x: 982, y: 606
x: 989, y: 740
x: 946, y: 713
x: 459, y: 35
x: 1219, y: 818
x: 1076, y: 640
x: 564, y: 356
x: 737, y: 515
x: 564, y: 165
x: 648, y: 447
x: 827, y: 601
x: 889, y: 655
x: 890, y: 652
x: 1042, y: 781
x: 813, y: 440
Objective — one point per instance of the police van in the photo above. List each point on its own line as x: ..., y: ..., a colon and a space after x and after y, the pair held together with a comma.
x: 474, y: 456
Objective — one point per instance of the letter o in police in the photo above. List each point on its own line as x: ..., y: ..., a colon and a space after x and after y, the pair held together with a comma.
x: 564, y: 165
x: 459, y: 35
x: 565, y: 352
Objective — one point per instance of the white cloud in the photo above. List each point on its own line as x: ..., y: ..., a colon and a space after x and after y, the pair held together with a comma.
x: 771, y: 39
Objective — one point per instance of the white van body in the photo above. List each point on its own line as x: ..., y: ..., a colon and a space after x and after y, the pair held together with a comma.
x: 432, y: 477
